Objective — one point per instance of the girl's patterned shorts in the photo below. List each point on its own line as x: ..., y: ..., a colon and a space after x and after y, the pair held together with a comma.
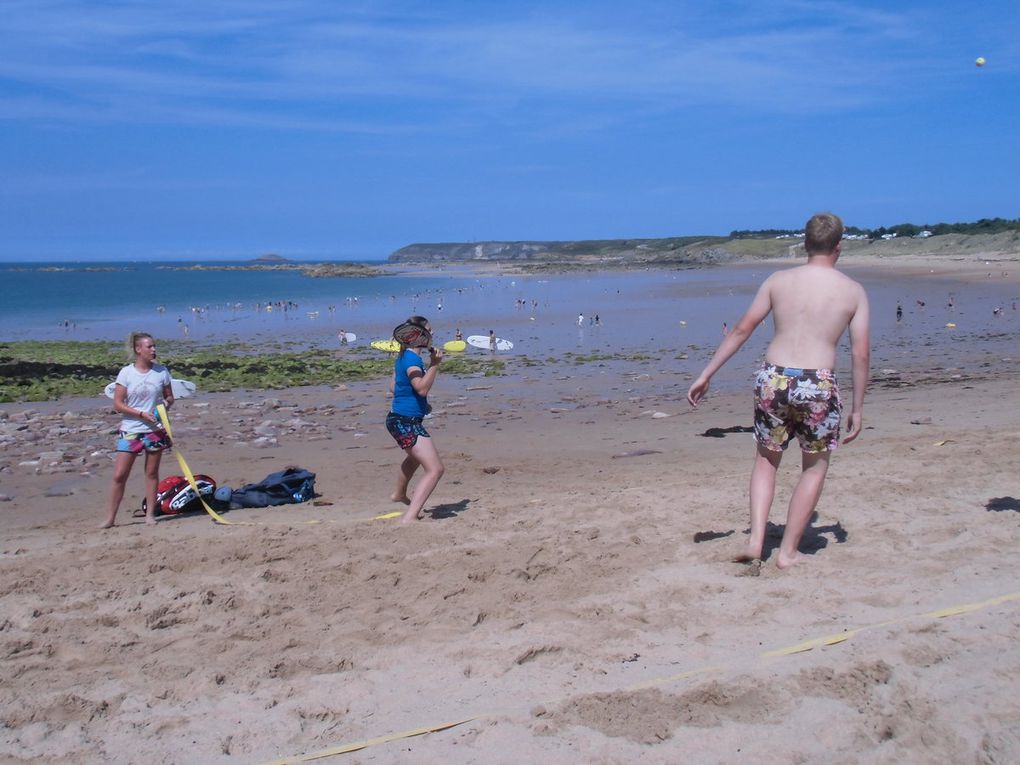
x: 405, y: 430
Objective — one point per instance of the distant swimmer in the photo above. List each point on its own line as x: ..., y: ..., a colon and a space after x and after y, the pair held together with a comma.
x: 492, y: 341
x: 580, y: 319
x: 725, y: 329
x: 457, y: 335
x: 899, y: 312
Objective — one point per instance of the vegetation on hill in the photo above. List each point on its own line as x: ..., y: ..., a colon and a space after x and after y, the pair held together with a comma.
x: 983, y: 226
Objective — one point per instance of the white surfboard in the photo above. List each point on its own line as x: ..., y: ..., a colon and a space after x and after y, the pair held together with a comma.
x: 181, y: 388
x: 350, y: 336
x: 482, y: 341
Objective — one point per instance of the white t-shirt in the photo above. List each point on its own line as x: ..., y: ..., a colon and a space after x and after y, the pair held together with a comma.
x: 144, y: 392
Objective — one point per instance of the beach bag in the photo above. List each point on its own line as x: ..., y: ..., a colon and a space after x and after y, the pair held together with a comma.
x: 282, y: 488
x: 174, y: 494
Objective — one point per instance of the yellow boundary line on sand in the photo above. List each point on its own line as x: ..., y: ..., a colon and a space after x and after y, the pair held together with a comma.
x: 808, y: 645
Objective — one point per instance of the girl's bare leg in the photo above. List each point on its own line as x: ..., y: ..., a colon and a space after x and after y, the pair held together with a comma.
x: 407, y: 468
x: 424, y: 452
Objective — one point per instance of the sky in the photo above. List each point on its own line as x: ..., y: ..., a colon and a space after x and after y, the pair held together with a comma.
x: 315, y: 129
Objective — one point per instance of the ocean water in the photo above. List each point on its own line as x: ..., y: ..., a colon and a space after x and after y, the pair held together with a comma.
x: 665, y: 314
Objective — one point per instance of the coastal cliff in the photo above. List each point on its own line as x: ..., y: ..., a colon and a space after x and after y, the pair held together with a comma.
x: 603, y: 253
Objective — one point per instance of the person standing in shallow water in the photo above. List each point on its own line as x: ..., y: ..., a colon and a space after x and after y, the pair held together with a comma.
x: 141, y: 386
x: 410, y: 387
x: 795, y: 391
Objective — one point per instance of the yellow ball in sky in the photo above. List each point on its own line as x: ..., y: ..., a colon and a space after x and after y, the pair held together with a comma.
x: 980, y: 61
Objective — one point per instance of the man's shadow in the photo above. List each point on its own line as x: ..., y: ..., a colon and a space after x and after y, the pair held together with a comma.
x: 814, y: 538
x: 449, y: 510
x: 721, y: 432
x: 1000, y: 504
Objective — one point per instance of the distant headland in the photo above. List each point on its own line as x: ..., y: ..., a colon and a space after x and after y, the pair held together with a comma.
x: 995, y: 236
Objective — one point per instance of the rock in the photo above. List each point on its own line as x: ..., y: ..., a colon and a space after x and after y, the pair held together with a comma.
x: 265, y: 442
x: 53, y: 456
x: 5, y: 498
x: 266, y: 428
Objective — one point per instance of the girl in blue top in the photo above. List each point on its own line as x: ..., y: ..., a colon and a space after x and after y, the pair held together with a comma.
x: 410, y: 387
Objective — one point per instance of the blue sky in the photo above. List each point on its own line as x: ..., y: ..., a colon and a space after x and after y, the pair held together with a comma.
x: 344, y: 130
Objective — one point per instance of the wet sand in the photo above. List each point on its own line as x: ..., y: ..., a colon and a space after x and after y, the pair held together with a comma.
x: 569, y: 596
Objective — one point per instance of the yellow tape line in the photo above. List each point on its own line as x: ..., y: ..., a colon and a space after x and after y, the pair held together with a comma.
x: 790, y: 650
x: 807, y: 646
x: 344, y: 749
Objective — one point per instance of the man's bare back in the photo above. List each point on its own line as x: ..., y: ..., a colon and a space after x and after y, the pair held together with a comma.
x: 812, y: 305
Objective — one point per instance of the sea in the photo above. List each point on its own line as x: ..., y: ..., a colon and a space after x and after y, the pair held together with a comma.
x: 674, y: 315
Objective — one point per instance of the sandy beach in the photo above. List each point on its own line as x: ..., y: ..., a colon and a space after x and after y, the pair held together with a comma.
x: 569, y: 597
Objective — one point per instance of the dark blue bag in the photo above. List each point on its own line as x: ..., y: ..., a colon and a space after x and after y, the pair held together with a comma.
x: 282, y: 488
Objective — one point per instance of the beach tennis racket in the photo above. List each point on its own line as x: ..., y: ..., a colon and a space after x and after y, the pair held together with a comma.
x: 413, y: 335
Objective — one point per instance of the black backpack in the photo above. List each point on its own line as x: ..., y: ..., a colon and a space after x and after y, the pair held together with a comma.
x: 283, y: 488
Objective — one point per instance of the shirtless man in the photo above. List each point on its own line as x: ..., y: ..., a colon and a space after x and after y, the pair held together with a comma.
x: 795, y: 390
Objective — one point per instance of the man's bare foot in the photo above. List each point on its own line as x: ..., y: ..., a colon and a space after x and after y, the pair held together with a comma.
x: 784, y: 562
x: 747, y: 556
x: 401, y: 498
x: 109, y: 524
x: 753, y: 567
x: 150, y: 520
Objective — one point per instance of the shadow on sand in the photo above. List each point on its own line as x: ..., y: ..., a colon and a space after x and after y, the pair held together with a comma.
x: 449, y: 510
x: 815, y: 537
x: 1001, y: 504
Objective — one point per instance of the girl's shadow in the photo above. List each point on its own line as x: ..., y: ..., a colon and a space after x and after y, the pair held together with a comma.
x: 449, y: 510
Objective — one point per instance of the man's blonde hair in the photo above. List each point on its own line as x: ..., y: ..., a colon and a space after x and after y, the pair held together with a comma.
x: 822, y: 233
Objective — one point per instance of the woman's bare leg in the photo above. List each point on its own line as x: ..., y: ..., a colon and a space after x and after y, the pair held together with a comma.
x: 152, y: 460
x: 121, y: 470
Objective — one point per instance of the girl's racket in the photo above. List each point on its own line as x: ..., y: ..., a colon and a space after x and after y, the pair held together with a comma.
x: 413, y: 335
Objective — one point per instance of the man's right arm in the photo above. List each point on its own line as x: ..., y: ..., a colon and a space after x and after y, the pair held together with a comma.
x: 755, y: 314
x: 860, y: 355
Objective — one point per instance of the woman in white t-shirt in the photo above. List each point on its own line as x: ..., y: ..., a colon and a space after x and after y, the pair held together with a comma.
x: 141, y: 386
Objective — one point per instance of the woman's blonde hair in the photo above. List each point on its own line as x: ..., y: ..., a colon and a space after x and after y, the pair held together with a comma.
x: 132, y: 342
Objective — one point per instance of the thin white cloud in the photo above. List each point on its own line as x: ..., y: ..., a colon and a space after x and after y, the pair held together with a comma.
x: 310, y: 66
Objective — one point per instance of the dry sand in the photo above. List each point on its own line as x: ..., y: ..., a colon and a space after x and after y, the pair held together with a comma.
x: 570, y: 595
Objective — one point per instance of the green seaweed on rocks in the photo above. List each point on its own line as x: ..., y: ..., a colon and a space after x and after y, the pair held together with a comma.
x: 47, y: 370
